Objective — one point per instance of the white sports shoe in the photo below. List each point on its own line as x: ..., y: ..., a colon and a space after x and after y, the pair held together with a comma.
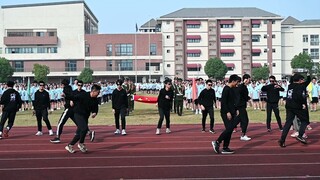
x: 39, y: 133
x: 295, y: 134
x: 168, y: 131
x: 158, y: 131
x: 123, y: 132
x: 82, y: 147
x: 50, y: 132
x: 117, y: 131
x: 245, y: 138
x: 70, y: 149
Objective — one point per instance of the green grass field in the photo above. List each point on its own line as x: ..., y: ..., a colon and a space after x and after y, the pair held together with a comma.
x: 147, y: 114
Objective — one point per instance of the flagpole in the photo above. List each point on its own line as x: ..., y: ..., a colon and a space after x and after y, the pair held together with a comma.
x: 135, y: 52
x: 149, y: 53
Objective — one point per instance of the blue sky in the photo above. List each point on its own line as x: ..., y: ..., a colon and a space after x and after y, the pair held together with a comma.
x: 121, y: 16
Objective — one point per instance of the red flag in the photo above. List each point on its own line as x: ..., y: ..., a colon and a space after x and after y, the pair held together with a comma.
x: 194, y: 89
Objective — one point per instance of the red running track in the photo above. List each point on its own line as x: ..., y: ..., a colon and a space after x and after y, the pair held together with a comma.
x: 186, y: 153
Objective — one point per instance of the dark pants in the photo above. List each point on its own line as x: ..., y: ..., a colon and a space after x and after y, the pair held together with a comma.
x: 67, y: 113
x: 244, y: 120
x: 43, y: 114
x: 7, y: 115
x: 302, y: 114
x: 179, y: 106
x: 164, y: 113
x: 208, y: 110
x: 82, y: 128
x: 225, y: 136
x: 275, y: 108
x: 120, y: 112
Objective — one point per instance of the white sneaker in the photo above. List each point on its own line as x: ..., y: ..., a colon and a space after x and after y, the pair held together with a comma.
x: 117, y: 131
x: 123, y: 132
x: 295, y: 134
x: 168, y: 131
x: 82, y: 147
x: 39, y: 133
x: 70, y: 149
x: 197, y: 112
x: 50, y: 132
x: 245, y: 138
x: 158, y: 131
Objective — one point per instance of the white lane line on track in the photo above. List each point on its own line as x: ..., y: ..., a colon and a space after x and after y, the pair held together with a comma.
x: 150, y: 156
x: 257, y: 177
x: 160, y: 166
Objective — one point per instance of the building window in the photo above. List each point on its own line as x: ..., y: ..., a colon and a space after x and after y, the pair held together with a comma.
x: 168, y: 36
x: 193, y: 26
x: 168, y: 65
x: 273, y: 36
x: 109, y: 65
x: 314, y: 53
x: 227, y: 54
x: 40, y: 34
x: 87, y: 63
x: 31, y: 50
x: 87, y: 50
x: 255, y: 25
x: 126, y: 65
x: 314, y: 40
x: 265, y: 50
x: 255, y: 38
x: 154, y: 66
x: 109, y: 50
x: 52, y: 33
x: 255, y: 53
x: 305, y: 38
x: 153, y: 49
x: 168, y: 51
x: 226, y: 25
x: 265, y: 36
x: 193, y: 54
x: 267, y: 21
x: 71, y: 65
x: 273, y: 50
x: 18, y: 66
x: 226, y: 40
x: 123, y: 49
x: 305, y: 51
x: 193, y: 40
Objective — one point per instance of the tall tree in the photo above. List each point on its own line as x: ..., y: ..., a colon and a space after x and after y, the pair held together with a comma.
x: 302, y: 60
x: 86, y: 75
x: 215, y: 68
x: 6, y: 71
x: 40, y: 72
x: 260, y: 73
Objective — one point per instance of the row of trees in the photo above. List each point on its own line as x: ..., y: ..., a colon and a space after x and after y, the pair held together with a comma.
x: 215, y: 68
x: 40, y: 72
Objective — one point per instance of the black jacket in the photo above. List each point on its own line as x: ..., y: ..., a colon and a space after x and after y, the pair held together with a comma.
x: 41, y: 100
x: 84, y: 104
x: 242, y: 96
x: 11, y: 100
x: 228, y: 101
x: 272, y: 93
x: 119, y: 99
x: 67, y: 90
x: 207, y: 97
x: 297, y: 95
x: 163, y: 102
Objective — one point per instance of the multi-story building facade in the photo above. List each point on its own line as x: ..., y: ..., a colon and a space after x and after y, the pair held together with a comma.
x: 243, y: 38
x: 298, y: 37
x: 47, y: 33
